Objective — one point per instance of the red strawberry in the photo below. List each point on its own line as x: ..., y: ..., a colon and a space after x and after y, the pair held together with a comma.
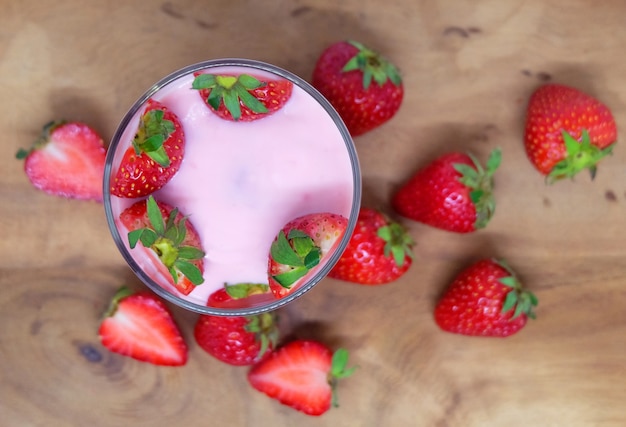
x: 66, y: 160
x: 141, y: 326
x: 567, y: 131
x: 155, y: 155
x: 300, y: 247
x: 453, y: 193
x: 242, y: 97
x: 380, y: 251
x: 236, y: 340
x: 485, y: 299
x: 171, y: 236
x: 344, y: 73
x: 303, y: 375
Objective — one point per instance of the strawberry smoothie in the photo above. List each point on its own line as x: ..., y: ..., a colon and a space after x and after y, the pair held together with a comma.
x: 240, y: 182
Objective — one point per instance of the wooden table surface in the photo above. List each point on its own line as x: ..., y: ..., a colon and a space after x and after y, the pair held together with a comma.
x: 469, y: 67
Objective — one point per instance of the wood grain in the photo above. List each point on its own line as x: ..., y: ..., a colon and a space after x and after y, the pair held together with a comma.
x: 468, y: 69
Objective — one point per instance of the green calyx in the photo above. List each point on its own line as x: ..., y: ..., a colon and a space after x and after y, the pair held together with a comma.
x: 232, y: 91
x: 398, y: 243
x: 480, y: 182
x: 263, y: 326
x: 151, y: 134
x: 578, y: 156
x: 43, y: 138
x: 244, y: 290
x: 373, y: 66
x: 165, y: 238
x: 296, y: 251
x: 338, y: 369
x: 517, y: 299
x: 121, y: 293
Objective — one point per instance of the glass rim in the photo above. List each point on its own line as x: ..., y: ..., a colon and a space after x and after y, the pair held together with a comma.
x: 320, y: 274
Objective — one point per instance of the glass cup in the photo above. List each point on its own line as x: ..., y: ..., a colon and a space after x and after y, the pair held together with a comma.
x: 240, y: 182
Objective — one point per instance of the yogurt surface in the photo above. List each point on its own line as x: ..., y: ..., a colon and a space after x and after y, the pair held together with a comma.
x: 241, y: 182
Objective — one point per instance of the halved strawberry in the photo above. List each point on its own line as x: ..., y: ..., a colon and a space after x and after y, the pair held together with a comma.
x: 66, y: 160
x: 302, y: 374
x: 140, y: 325
x: 237, y: 340
x: 171, y: 236
x: 242, y: 97
x: 300, y: 247
x: 155, y: 155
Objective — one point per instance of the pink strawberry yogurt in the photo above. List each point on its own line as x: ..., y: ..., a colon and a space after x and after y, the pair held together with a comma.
x: 241, y: 182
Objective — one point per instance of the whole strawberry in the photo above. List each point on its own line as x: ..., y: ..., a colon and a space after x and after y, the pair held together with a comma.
x: 139, y: 325
x: 300, y: 247
x: 242, y: 97
x: 453, y: 192
x: 171, y: 237
x: 67, y: 160
x: 567, y: 131
x: 236, y: 340
x: 302, y: 374
x: 365, y: 88
x: 485, y: 299
x: 155, y: 155
x: 379, y: 251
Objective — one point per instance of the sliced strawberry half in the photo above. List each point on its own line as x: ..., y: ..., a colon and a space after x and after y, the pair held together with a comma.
x: 171, y: 236
x: 300, y: 247
x: 303, y: 374
x: 242, y: 97
x: 66, y: 160
x: 155, y: 155
x: 140, y: 325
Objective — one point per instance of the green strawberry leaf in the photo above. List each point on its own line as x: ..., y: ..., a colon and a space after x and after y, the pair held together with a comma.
x: 373, y: 66
x: 282, y: 252
x: 250, y: 101
x: 480, y: 183
x: 190, y: 271
x: 148, y: 237
x: 578, y: 156
x: 510, y: 301
x: 290, y: 277
x: 165, y: 239
x: 204, y: 81
x: 154, y: 216
x: 231, y: 102
x: 134, y: 237
x: 244, y: 290
x: 232, y: 91
x: 190, y: 253
x: 312, y: 258
x: 152, y: 133
x: 398, y: 243
x: 338, y: 370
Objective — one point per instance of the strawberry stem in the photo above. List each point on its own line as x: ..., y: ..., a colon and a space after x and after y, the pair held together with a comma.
x: 233, y: 91
x: 165, y: 239
x: 578, y: 156
x: 518, y: 299
x: 297, y: 251
x: 398, y: 243
x: 338, y: 370
x: 151, y: 134
x: 120, y: 294
x: 373, y: 66
x: 480, y: 182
